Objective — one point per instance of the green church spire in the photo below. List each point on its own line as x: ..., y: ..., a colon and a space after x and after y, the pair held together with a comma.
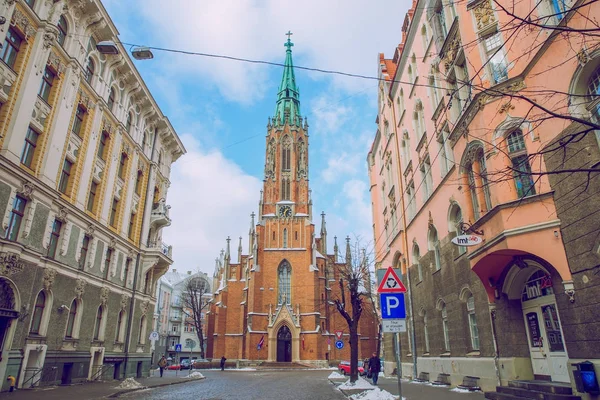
x: 288, y: 98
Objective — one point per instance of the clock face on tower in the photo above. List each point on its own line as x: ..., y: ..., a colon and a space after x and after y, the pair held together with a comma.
x: 285, y: 211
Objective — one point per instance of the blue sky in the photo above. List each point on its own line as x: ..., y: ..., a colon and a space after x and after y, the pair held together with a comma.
x: 220, y: 107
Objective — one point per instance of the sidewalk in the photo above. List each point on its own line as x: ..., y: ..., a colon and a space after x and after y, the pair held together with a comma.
x: 94, y: 390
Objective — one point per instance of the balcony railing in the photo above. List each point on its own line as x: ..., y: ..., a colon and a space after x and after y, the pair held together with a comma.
x: 160, y: 215
x: 164, y: 248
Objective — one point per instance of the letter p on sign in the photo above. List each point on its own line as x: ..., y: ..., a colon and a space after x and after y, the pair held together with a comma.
x: 392, y: 305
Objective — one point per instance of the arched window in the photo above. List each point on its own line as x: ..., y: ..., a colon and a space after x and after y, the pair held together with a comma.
x: 285, y: 238
x: 129, y: 121
x: 445, y: 328
x: 517, y: 152
x: 413, y: 62
x: 400, y: 102
x: 90, y: 69
x: 593, y: 90
x: 38, y: 312
x: 284, y: 275
x: 426, y: 332
x: 142, y: 331
x: 410, y: 74
x: 71, y: 328
x: 434, y: 244
x: 434, y: 88
x: 455, y: 223
x: 484, y: 180
x: 63, y: 29
x: 111, y: 99
x: 417, y: 261
x: 120, y: 327
x: 144, y: 142
x: 99, y: 321
x: 286, y: 154
x: 424, y: 38
x: 473, y: 330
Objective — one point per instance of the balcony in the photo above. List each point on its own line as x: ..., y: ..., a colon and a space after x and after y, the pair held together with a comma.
x: 176, y: 318
x: 160, y: 215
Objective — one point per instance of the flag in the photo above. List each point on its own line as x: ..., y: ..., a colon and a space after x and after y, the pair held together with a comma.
x: 261, y: 343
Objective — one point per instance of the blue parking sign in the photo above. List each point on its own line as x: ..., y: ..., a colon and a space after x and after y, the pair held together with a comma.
x: 392, y: 305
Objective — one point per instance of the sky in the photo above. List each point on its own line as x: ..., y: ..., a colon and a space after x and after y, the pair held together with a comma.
x: 219, y: 108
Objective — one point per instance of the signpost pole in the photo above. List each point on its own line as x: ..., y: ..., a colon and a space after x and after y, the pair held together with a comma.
x: 398, y: 364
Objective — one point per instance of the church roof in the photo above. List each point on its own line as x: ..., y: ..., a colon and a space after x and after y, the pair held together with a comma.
x: 288, y: 97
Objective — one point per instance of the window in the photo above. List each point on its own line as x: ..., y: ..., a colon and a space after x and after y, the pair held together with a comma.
x: 138, y: 182
x: 484, y: 181
x: 285, y: 189
x: 65, y: 174
x: 128, y: 123
x: 424, y: 38
x: 142, y: 331
x: 70, y: 333
x: 412, y: 204
x: 284, y: 273
x: 78, y: 121
x: 144, y: 141
x: 46, y: 86
x: 92, y: 196
x: 473, y: 323
x: 419, y: 120
x: 84, y: 251
x: 54, y: 237
x: 122, y: 165
x: 445, y: 328
x: 520, y: 164
x: 473, y: 190
x: 427, y: 179
x: 455, y: 225
x: 413, y: 63
x: 131, y: 229
x: 31, y: 139
x: 15, y: 218
x: 434, y: 244
x: 286, y: 159
x: 30, y: 3
x: 411, y: 76
x: 417, y: 260
x: 559, y: 8
x: 126, y: 273
x: 11, y: 47
x: 90, y: 68
x: 111, y: 99
x: 63, y: 28
x: 38, y: 312
x: 440, y: 21
x: 120, y: 327
x: 102, y: 145
x: 400, y: 102
x: 107, y: 262
x: 426, y: 332
x: 444, y: 160
x: 434, y: 87
x: 496, y: 58
x: 98, y: 326
x: 285, y: 238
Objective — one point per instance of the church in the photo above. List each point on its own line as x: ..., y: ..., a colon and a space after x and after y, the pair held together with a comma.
x: 277, y: 303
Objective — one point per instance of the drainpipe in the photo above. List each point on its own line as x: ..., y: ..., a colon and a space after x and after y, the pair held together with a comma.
x: 137, y: 263
x: 492, y: 307
x: 406, y: 249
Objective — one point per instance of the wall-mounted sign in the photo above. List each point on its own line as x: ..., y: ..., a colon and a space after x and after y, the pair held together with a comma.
x: 467, y: 240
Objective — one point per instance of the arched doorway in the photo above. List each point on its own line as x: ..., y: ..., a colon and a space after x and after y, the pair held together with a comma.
x: 9, y: 303
x: 284, y: 344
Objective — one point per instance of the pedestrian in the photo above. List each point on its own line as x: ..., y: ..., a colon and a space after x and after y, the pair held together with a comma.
x: 223, y: 359
x: 12, y: 380
x: 162, y: 363
x: 374, y: 367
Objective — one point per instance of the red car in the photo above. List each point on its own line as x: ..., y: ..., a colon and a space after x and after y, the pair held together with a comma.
x: 344, y: 368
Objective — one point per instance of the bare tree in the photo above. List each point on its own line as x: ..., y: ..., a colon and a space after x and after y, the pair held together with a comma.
x: 354, y: 284
x: 194, y: 305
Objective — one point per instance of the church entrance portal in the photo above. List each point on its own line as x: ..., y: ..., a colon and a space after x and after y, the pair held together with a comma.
x: 284, y: 344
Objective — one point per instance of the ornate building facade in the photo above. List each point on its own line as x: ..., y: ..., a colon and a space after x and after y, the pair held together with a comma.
x: 85, y: 156
x: 281, y: 295
x: 463, y: 146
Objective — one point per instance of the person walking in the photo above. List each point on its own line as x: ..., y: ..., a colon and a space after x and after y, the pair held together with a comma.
x: 12, y: 380
x: 162, y: 363
x: 223, y: 359
x: 374, y: 367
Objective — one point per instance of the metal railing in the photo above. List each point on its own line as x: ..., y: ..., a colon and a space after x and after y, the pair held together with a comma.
x: 100, y: 370
x: 38, y: 376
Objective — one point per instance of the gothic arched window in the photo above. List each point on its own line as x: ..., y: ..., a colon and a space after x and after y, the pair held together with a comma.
x: 285, y: 238
x: 40, y: 305
x: 286, y: 154
x: 284, y: 276
x: 520, y: 164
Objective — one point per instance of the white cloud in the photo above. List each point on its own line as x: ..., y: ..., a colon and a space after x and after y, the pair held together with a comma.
x: 334, y: 35
x: 211, y: 198
x: 358, y: 206
x: 328, y: 115
x: 339, y: 165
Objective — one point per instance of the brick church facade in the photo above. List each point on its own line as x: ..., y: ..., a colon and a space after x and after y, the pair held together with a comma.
x: 277, y: 303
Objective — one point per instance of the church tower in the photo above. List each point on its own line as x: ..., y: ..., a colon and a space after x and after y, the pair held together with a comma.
x: 275, y: 304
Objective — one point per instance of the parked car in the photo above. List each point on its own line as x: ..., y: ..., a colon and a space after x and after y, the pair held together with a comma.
x: 201, y: 363
x: 344, y: 368
x: 174, y: 367
x: 185, y: 364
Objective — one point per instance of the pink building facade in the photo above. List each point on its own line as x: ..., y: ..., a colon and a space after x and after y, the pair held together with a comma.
x: 486, y: 126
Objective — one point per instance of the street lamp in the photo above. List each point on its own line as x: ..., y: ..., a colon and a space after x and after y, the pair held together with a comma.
x: 107, y: 47
x: 142, y: 53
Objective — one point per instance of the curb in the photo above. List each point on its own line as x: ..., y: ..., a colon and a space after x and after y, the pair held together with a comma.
x: 127, y: 391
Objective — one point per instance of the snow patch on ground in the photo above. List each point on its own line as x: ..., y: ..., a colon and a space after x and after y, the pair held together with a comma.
x: 461, y: 390
x: 375, y: 394
x: 359, y: 384
x: 336, y: 375
x: 194, y: 375
x: 129, y: 383
x: 242, y: 369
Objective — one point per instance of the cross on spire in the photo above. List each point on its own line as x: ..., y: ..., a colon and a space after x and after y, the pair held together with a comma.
x: 289, y: 43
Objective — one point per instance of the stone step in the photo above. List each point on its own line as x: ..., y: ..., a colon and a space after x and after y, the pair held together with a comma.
x: 543, y: 386
x: 280, y: 365
x: 515, y: 391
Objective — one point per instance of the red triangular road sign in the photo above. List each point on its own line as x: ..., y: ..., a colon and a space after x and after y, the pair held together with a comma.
x: 391, y: 283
